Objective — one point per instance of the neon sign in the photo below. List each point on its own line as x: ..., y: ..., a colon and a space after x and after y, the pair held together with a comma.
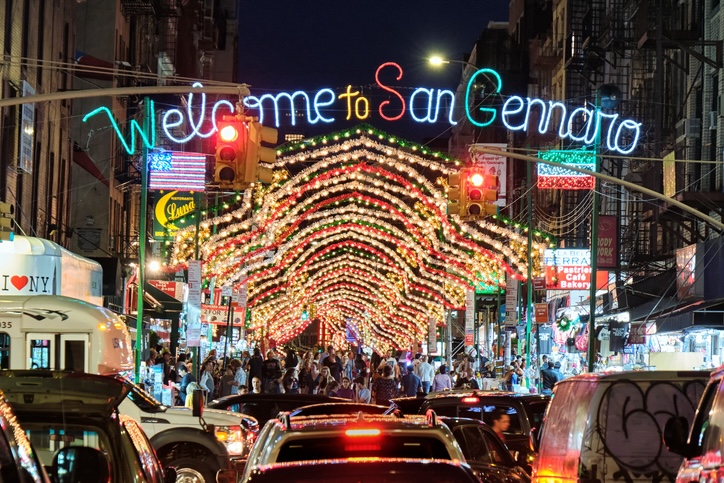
x: 587, y: 125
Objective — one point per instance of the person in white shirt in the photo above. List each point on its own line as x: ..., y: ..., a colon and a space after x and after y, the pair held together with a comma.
x: 426, y: 373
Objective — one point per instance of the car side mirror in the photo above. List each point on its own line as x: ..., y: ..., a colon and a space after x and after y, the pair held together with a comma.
x: 197, y: 399
x: 169, y: 474
x: 80, y: 464
x: 676, y: 434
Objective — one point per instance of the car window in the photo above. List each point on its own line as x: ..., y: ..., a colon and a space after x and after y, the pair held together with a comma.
x: 387, y: 445
x: 498, y: 453
x: 471, y: 440
x: 262, y: 411
x: 144, y: 452
x: 487, y: 411
x: 18, y: 461
x: 704, y: 412
x: 536, y: 410
x: 47, y: 439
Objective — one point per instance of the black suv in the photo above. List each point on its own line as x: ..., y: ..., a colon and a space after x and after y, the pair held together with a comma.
x: 264, y: 407
x: 72, y: 421
x: 526, y: 413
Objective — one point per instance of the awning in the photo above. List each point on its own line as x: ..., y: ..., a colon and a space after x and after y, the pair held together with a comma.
x: 162, y: 302
x: 702, y: 314
x: 84, y: 161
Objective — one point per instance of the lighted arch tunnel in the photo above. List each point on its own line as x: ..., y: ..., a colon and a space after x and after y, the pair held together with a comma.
x: 355, y: 226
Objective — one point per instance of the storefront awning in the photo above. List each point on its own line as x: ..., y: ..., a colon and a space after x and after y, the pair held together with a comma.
x: 704, y: 314
x: 162, y: 302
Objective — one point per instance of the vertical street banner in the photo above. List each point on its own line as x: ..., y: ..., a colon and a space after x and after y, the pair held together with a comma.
x: 469, y: 317
x: 670, y: 174
x: 511, y: 302
x: 607, y: 241
x: 27, y: 131
x: 432, y: 336
x: 193, y: 321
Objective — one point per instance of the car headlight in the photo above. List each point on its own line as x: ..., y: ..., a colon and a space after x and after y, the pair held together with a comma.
x: 232, y: 437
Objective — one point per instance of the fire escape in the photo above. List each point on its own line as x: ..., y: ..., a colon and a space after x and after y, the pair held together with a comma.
x: 673, y: 94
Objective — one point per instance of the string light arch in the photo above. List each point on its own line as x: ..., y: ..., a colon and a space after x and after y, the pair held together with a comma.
x: 354, y: 229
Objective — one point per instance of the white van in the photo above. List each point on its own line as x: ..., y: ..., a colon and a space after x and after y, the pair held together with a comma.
x: 61, y: 333
x: 609, y: 427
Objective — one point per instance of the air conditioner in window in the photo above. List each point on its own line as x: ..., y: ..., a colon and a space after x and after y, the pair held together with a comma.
x: 692, y: 128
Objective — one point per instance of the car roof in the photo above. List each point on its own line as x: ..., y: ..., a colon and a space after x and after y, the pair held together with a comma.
x: 480, y: 393
x: 342, y: 421
x: 330, y: 408
x: 639, y: 376
x: 242, y: 398
x: 452, y: 421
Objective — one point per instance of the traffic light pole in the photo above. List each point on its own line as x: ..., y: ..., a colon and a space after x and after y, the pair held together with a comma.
x: 142, y: 237
x: 529, y: 287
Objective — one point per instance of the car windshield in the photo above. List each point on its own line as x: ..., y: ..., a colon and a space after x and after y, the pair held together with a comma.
x: 386, y: 445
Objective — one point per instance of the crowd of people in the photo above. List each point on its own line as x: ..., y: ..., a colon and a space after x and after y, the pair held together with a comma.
x: 344, y: 374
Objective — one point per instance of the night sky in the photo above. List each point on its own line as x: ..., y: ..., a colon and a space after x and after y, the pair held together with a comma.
x: 310, y: 45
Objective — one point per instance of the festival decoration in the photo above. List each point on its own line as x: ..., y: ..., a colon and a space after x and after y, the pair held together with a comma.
x: 354, y: 225
x: 555, y: 177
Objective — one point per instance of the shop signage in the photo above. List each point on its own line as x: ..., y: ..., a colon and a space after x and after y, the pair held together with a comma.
x: 214, y: 314
x: 511, y: 302
x: 172, y: 289
x: 424, y: 105
x: 541, y: 313
x: 607, y: 241
x: 169, y: 213
x: 431, y: 336
x: 567, y: 269
x: 638, y: 332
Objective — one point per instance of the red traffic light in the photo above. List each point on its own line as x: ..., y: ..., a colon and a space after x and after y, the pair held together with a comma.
x: 228, y: 133
x: 476, y: 179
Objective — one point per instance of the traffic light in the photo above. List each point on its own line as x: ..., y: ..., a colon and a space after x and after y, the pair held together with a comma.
x: 230, y: 152
x: 6, y: 222
x: 256, y: 152
x: 479, y: 193
x: 453, y: 194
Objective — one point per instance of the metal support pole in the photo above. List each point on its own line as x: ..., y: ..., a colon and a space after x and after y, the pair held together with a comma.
x: 449, y: 341
x: 142, y: 236
x: 594, y: 255
x: 196, y: 367
x: 529, y: 287
x: 498, y: 323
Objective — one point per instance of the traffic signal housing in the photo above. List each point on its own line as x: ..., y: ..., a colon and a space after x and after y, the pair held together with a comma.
x: 230, y: 152
x: 478, y: 194
x: 453, y: 194
x: 7, y: 221
x: 256, y: 151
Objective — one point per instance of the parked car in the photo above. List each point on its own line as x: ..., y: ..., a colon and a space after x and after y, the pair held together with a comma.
x: 366, y: 436
x: 181, y: 439
x: 20, y: 462
x: 73, y: 422
x: 525, y: 410
x: 701, y: 443
x: 608, y: 427
x: 379, y: 470
x: 486, y: 454
x: 264, y: 407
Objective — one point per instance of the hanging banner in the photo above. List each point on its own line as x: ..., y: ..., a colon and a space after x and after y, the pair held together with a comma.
x: 27, y: 131
x: 511, y: 302
x: 670, y: 174
x: 432, y: 336
x: 607, y: 241
x: 193, y: 317
x: 469, y: 317
x: 493, y: 164
x: 172, y: 289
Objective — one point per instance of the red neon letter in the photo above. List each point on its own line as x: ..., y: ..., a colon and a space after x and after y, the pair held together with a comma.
x: 388, y: 89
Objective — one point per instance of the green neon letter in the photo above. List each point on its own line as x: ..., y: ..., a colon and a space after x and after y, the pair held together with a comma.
x: 148, y: 139
x: 490, y: 110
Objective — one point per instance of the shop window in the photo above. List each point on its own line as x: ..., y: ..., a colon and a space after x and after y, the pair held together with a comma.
x: 4, y: 351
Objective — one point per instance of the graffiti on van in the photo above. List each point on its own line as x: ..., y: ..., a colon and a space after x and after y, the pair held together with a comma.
x: 631, y: 421
x: 40, y: 314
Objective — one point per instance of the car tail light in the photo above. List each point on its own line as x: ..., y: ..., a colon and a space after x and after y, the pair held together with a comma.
x: 471, y: 400
x: 363, y: 432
